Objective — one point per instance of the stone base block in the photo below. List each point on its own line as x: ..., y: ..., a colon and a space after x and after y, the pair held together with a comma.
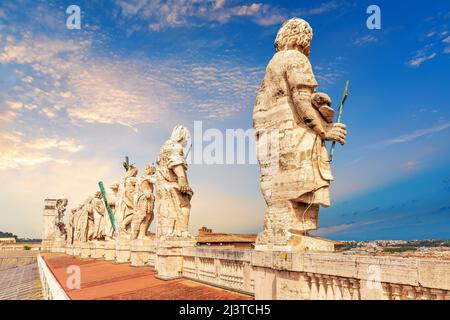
x: 69, y: 249
x: 85, y: 250
x: 110, y: 250
x: 123, y: 250
x: 98, y: 251
x: 169, y: 257
x: 58, y: 246
x: 77, y: 248
x: 143, y: 252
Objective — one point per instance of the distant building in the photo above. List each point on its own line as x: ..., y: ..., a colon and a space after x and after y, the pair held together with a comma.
x: 7, y: 240
x: 206, y: 237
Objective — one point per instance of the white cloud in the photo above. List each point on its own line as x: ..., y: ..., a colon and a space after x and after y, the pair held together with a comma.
x: 413, y: 135
x: 421, y: 58
x: 17, y: 151
x: 15, y: 105
x: 183, y: 13
x: 365, y: 40
x: 129, y: 92
x: 410, y: 165
x: 68, y: 145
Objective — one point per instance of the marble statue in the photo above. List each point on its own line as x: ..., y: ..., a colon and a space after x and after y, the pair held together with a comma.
x: 71, y: 226
x: 78, y: 223
x: 287, y: 104
x: 126, y: 191
x: 54, y: 233
x: 173, y: 193
x: 100, y: 215
x: 61, y: 205
x: 86, y: 220
x: 144, y: 202
x: 112, y: 200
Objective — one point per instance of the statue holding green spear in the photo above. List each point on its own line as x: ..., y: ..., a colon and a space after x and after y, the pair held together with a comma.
x: 295, y: 172
x: 341, y: 107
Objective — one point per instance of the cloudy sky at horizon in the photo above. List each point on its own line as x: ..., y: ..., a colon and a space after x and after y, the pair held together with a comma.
x: 74, y: 103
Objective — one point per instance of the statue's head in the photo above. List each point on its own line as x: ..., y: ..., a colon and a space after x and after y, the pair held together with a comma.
x: 295, y: 33
x: 132, y: 171
x: 114, y: 186
x: 149, y: 170
x: 88, y: 200
x: 180, y: 134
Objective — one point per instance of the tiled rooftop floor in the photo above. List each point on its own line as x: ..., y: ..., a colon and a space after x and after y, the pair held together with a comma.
x: 105, y: 280
x: 19, y: 279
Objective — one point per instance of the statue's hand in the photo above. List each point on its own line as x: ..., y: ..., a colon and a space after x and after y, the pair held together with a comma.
x: 187, y: 190
x: 336, y: 132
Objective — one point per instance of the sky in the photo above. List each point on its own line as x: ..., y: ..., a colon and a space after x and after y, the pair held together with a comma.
x: 75, y: 102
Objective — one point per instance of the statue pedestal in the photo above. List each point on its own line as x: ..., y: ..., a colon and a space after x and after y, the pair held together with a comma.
x: 110, y: 250
x: 85, y: 250
x: 99, y: 249
x: 123, y: 253
x: 59, y: 246
x: 169, y: 256
x: 46, y: 245
x: 69, y: 249
x: 300, y: 243
x: 143, y: 252
x: 77, y: 248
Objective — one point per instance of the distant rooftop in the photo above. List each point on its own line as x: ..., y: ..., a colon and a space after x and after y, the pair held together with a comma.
x: 207, y: 236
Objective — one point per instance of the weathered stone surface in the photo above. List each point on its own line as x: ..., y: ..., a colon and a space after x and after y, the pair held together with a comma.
x: 98, y: 251
x: 143, y: 252
x: 144, y: 203
x: 291, y: 124
x: 123, y: 250
x: 85, y: 250
x: 296, y: 275
x: 53, y: 227
x: 173, y: 193
x: 110, y: 250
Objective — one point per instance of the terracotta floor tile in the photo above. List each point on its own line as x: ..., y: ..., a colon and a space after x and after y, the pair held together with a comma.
x: 106, y: 280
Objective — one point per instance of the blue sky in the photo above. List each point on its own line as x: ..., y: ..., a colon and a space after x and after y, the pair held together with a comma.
x: 73, y: 103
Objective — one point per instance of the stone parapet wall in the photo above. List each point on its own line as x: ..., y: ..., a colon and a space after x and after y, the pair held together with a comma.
x: 51, y: 289
x: 304, y: 276
x: 227, y: 268
x: 336, y: 276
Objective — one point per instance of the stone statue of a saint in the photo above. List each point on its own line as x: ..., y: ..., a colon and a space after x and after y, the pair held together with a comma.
x: 61, y: 205
x: 86, y: 221
x: 127, y: 200
x: 173, y: 193
x: 77, y: 224
x: 71, y: 226
x: 100, y: 215
x: 144, y: 203
x: 298, y: 182
x: 112, y: 200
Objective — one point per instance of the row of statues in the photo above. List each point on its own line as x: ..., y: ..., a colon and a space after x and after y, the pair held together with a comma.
x: 162, y: 191
x: 294, y: 188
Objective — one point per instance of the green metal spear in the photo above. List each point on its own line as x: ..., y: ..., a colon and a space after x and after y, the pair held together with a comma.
x: 341, y: 106
x: 108, y: 208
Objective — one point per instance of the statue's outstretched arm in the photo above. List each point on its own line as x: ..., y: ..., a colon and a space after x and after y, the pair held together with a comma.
x: 306, y: 113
